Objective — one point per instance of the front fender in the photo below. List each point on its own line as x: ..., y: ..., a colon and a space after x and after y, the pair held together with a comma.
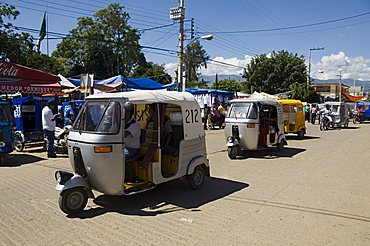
x: 233, y: 143
x: 197, y: 161
x: 75, y: 181
x: 281, y: 138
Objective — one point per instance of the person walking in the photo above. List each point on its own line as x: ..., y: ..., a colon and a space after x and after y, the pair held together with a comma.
x: 307, y: 112
x: 313, y: 114
x: 48, y: 125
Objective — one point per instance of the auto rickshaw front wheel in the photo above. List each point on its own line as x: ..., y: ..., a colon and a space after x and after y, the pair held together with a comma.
x: 232, y: 152
x: 73, y: 201
x: 196, y: 179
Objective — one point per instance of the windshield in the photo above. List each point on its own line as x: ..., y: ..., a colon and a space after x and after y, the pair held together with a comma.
x: 5, y: 112
x: 245, y: 110
x: 99, y: 117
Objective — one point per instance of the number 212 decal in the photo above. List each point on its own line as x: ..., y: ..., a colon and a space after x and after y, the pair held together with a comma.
x: 191, y: 116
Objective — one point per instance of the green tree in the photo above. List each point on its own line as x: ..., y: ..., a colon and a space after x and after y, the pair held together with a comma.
x: 153, y: 71
x: 19, y: 47
x: 104, y: 44
x: 195, y: 57
x: 227, y: 85
x: 277, y: 73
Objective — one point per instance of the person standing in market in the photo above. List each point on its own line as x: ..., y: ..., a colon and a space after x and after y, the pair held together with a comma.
x: 313, y: 113
x: 71, y: 114
x: 48, y: 125
x: 307, y: 112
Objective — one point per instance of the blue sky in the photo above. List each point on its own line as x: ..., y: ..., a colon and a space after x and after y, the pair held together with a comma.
x: 346, y: 43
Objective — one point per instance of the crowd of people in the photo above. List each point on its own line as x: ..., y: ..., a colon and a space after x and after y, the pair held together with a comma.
x: 214, y: 116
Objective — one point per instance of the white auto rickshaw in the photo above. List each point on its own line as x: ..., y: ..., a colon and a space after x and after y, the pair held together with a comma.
x: 253, y: 124
x: 96, y: 145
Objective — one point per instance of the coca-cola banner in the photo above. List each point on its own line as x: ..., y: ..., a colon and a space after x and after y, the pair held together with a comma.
x: 17, y: 78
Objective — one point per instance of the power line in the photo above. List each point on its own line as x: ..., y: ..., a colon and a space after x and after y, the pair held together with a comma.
x: 294, y: 27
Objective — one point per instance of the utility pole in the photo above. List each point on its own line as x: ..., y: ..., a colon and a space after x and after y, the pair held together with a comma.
x: 178, y: 13
x: 309, y: 65
x: 340, y: 85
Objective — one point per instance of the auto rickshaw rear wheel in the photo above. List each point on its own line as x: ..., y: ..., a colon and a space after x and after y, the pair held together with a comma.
x: 196, y: 179
x: 232, y: 152
x: 73, y: 201
x: 18, y: 142
x: 280, y: 146
x: 301, y: 133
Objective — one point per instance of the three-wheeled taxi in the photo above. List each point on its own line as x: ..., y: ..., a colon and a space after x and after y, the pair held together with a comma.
x: 6, y: 131
x: 96, y: 145
x: 28, y: 121
x: 294, y: 121
x: 339, y: 113
x: 253, y: 124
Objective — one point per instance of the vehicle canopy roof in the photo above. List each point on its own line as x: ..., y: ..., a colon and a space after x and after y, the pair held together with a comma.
x: 148, y: 97
x: 262, y: 101
x: 290, y: 102
x: 193, y: 128
x: 334, y: 103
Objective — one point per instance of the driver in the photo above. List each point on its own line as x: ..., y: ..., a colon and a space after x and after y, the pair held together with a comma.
x: 132, y: 131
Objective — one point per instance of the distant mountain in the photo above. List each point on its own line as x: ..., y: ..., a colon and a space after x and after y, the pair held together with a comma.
x: 348, y: 82
x: 211, y: 79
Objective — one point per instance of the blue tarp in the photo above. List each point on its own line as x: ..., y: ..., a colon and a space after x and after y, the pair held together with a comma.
x: 130, y: 83
x: 213, y: 92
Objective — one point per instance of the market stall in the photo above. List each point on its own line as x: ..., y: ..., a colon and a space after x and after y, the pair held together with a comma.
x: 17, y: 78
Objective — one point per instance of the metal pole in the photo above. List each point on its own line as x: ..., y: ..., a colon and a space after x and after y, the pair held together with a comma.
x: 340, y: 86
x: 309, y: 65
x: 181, y: 49
x: 309, y: 69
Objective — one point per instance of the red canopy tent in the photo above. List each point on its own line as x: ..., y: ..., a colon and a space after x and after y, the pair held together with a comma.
x: 17, y: 78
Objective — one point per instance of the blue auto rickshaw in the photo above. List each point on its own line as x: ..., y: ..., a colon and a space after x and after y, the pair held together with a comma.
x: 6, y: 131
x: 365, y: 109
x: 28, y: 121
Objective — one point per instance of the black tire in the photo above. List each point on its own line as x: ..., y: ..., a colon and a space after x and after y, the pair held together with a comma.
x: 301, y: 133
x: 2, y: 159
x: 346, y: 123
x: 354, y: 120
x: 196, y: 179
x: 322, y: 126
x: 73, y: 201
x: 232, y: 152
x: 280, y: 146
x: 18, y: 142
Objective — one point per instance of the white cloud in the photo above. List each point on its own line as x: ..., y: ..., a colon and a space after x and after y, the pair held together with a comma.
x: 352, y: 67
x: 214, y: 67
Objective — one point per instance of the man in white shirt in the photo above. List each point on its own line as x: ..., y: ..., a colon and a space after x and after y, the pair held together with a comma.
x: 48, y: 125
x: 132, y: 132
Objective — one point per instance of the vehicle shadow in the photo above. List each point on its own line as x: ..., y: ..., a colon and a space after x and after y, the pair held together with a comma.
x: 295, y: 137
x: 20, y: 159
x: 350, y: 128
x: 166, y: 198
x: 271, y: 153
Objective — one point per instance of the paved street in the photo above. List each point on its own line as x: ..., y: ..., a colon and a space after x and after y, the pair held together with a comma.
x: 315, y: 192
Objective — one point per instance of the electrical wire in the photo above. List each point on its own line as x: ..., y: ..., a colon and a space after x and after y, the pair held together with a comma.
x: 295, y: 27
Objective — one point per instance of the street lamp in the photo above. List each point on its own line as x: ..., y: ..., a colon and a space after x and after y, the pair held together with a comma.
x: 340, y: 84
x: 181, y: 61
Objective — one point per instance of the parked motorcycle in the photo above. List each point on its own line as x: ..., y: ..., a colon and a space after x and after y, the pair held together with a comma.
x: 60, y: 139
x: 358, y: 118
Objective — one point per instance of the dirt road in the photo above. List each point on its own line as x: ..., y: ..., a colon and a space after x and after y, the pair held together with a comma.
x: 316, y: 192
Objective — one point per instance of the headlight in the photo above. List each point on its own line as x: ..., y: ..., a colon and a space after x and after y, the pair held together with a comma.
x: 2, y: 144
x: 58, y: 176
x: 62, y: 177
x: 230, y: 139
